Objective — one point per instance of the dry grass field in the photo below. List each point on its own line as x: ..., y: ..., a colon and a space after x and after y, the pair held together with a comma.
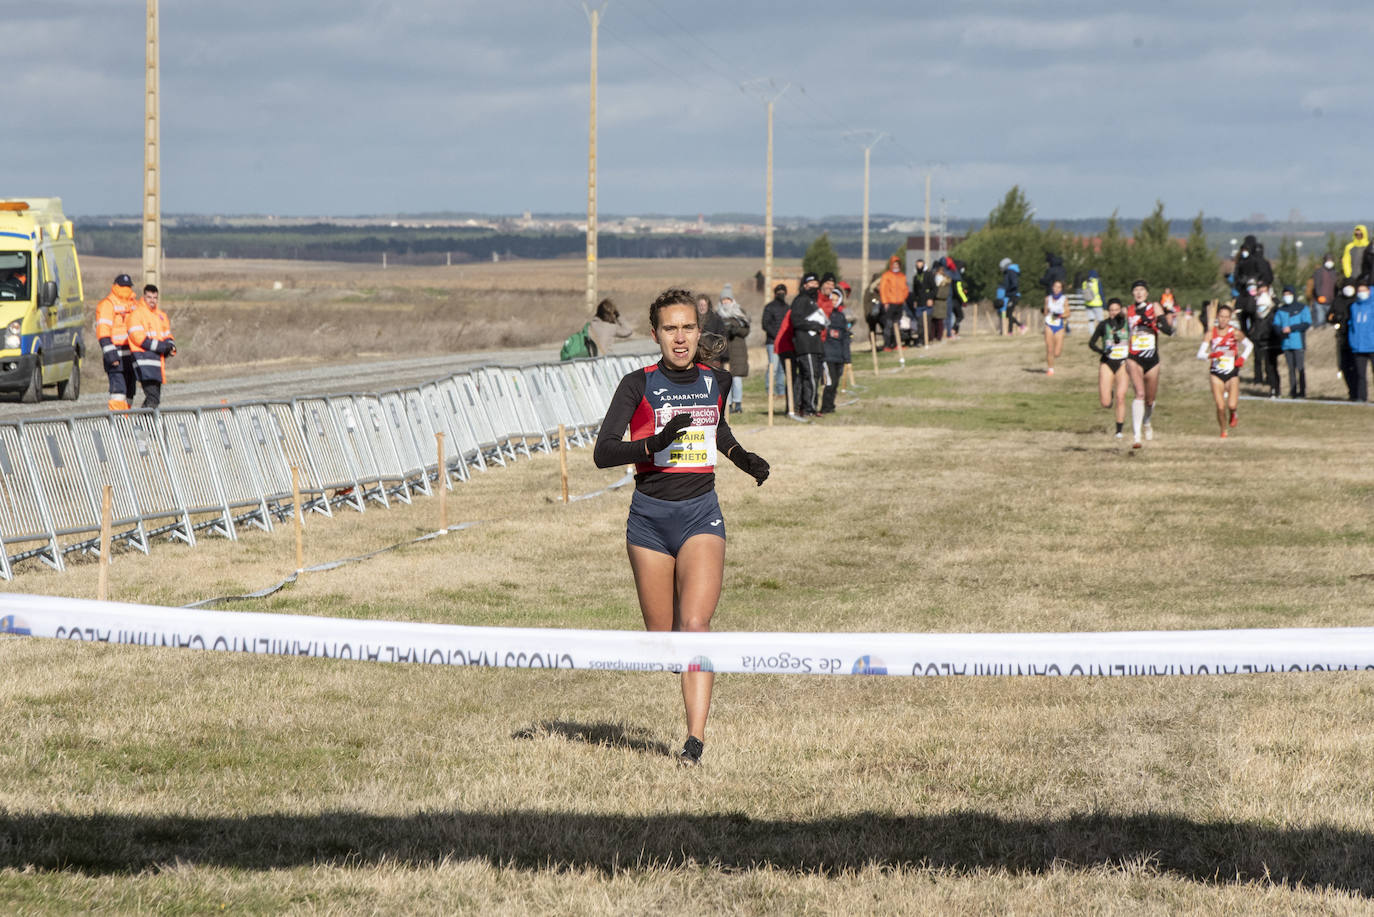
x: 229, y: 314
x: 967, y: 492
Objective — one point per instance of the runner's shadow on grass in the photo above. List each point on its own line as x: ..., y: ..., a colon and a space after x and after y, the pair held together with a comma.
x: 1207, y: 851
x: 606, y: 735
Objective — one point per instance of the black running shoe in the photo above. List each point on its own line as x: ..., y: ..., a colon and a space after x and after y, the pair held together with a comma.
x: 690, y: 756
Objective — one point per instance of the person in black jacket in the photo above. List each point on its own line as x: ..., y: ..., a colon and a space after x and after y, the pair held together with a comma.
x: 1054, y: 270
x: 772, y: 321
x: 1251, y: 269
x: 808, y: 326
x: 837, y: 335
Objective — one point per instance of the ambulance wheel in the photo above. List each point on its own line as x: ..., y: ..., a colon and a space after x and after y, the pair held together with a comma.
x: 71, y: 389
x: 34, y: 393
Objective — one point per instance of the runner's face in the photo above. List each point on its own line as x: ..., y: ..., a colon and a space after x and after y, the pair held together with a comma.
x: 1223, y: 317
x: 1114, y: 310
x: 1141, y: 294
x: 677, y: 335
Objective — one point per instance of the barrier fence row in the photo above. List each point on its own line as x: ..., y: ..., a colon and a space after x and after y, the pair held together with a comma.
x: 182, y: 472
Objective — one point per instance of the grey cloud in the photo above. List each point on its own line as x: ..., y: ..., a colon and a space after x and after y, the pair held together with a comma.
x: 343, y: 107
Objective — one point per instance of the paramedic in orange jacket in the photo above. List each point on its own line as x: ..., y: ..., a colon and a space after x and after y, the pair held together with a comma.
x: 150, y: 339
x: 892, y: 291
x: 112, y: 331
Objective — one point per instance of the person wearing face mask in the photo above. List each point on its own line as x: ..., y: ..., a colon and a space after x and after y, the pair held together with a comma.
x: 1338, y: 314
x: 1360, y: 336
x: 808, y: 344
x: 1261, y: 332
x: 1291, y: 320
x: 1251, y: 265
x: 1352, y: 258
x: 1325, y: 281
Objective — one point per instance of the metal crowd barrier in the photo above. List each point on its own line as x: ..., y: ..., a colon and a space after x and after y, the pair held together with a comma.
x: 187, y: 470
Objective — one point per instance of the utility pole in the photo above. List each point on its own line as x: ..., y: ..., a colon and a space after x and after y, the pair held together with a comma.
x: 594, y: 17
x: 152, y: 180
x: 926, y: 222
x: 873, y: 137
x: 769, y: 100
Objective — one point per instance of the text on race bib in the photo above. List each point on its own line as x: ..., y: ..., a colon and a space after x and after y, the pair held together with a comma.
x: 695, y: 446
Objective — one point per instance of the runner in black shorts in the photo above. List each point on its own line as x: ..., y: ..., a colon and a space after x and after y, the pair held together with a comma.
x: 1147, y: 321
x: 1111, y: 339
x: 675, y: 412
x: 1226, y: 348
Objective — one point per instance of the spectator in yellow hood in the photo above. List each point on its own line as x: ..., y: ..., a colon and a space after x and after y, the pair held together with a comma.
x: 1353, y: 257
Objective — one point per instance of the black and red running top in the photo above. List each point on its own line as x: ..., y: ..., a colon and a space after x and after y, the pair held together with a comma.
x: 1146, y: 321
x: 645, y: 401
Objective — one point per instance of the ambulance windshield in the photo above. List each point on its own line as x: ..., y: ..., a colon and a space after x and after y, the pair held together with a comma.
x: 14, y: 276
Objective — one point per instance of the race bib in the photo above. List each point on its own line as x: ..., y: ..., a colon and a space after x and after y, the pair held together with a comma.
x: 1142, y: 341
x: 1224, y: 363
x: 695, y: 446
x: 1118, y: 351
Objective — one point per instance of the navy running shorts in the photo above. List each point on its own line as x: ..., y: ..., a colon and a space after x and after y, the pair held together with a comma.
x: 665, y: 525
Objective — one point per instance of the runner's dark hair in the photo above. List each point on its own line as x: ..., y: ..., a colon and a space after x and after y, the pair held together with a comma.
x: 709, y: 346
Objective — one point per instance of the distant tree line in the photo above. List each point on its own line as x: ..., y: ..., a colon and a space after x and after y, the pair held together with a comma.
x: 404, y: 245
x: 1151, y: 253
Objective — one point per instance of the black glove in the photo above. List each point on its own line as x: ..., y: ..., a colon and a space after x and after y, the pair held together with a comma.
x: 675, y: 425
x: 167, y: 348
x: 751, y: 464
x: 110, y: 358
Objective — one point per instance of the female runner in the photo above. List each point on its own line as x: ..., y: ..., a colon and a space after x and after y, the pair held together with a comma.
x: 675, y: 412
x: 1056, y: 324
x: 1227, y: 348
x: 1146, y: 321
x: 1111, y: 339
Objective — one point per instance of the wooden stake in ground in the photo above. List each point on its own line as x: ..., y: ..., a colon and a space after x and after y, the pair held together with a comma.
x: 901, y: 354
x: 925, y: 329
x: 768, y: 383
x: 299, y: 513
x: 873, y: 346
x: 849, y: 368
x: 787, y: 382
x: 975, y: 318
x: 441, y: 477
x: 563, y: 459
x: 102, y: 590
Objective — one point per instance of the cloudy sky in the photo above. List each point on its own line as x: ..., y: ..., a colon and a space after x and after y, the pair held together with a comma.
x: 350, y: 106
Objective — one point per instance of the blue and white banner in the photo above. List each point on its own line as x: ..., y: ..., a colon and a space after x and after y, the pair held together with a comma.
x: 1202, y: 652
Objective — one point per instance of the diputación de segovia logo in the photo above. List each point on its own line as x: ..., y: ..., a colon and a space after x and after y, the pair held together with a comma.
x: 869, y: 665
x: 11, y: 624
x: 700, y: 664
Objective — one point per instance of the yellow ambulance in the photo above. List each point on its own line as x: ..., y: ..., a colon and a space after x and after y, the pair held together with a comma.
x: 42, y: 306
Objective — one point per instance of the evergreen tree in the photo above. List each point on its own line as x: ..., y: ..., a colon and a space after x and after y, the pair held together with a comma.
x: 1112, y: 260
x: 820, y: 258
x: 1014, y: 211
x: 1201, y: 267
x: 1286, y: 267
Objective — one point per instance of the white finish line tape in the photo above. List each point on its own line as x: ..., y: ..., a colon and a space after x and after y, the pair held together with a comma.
x: 1111, y: 653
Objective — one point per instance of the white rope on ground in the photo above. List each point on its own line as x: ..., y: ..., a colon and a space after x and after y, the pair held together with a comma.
x: 335, y: 564
x: 327, y: 565
x: 1338, y: 401
x: 627, y: 479
x: 1214, y: 652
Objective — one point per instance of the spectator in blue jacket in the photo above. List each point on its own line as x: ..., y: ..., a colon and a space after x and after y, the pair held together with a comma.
x: 1291, y: 321
x: 1360, y: 329
x: 1009, y: 295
